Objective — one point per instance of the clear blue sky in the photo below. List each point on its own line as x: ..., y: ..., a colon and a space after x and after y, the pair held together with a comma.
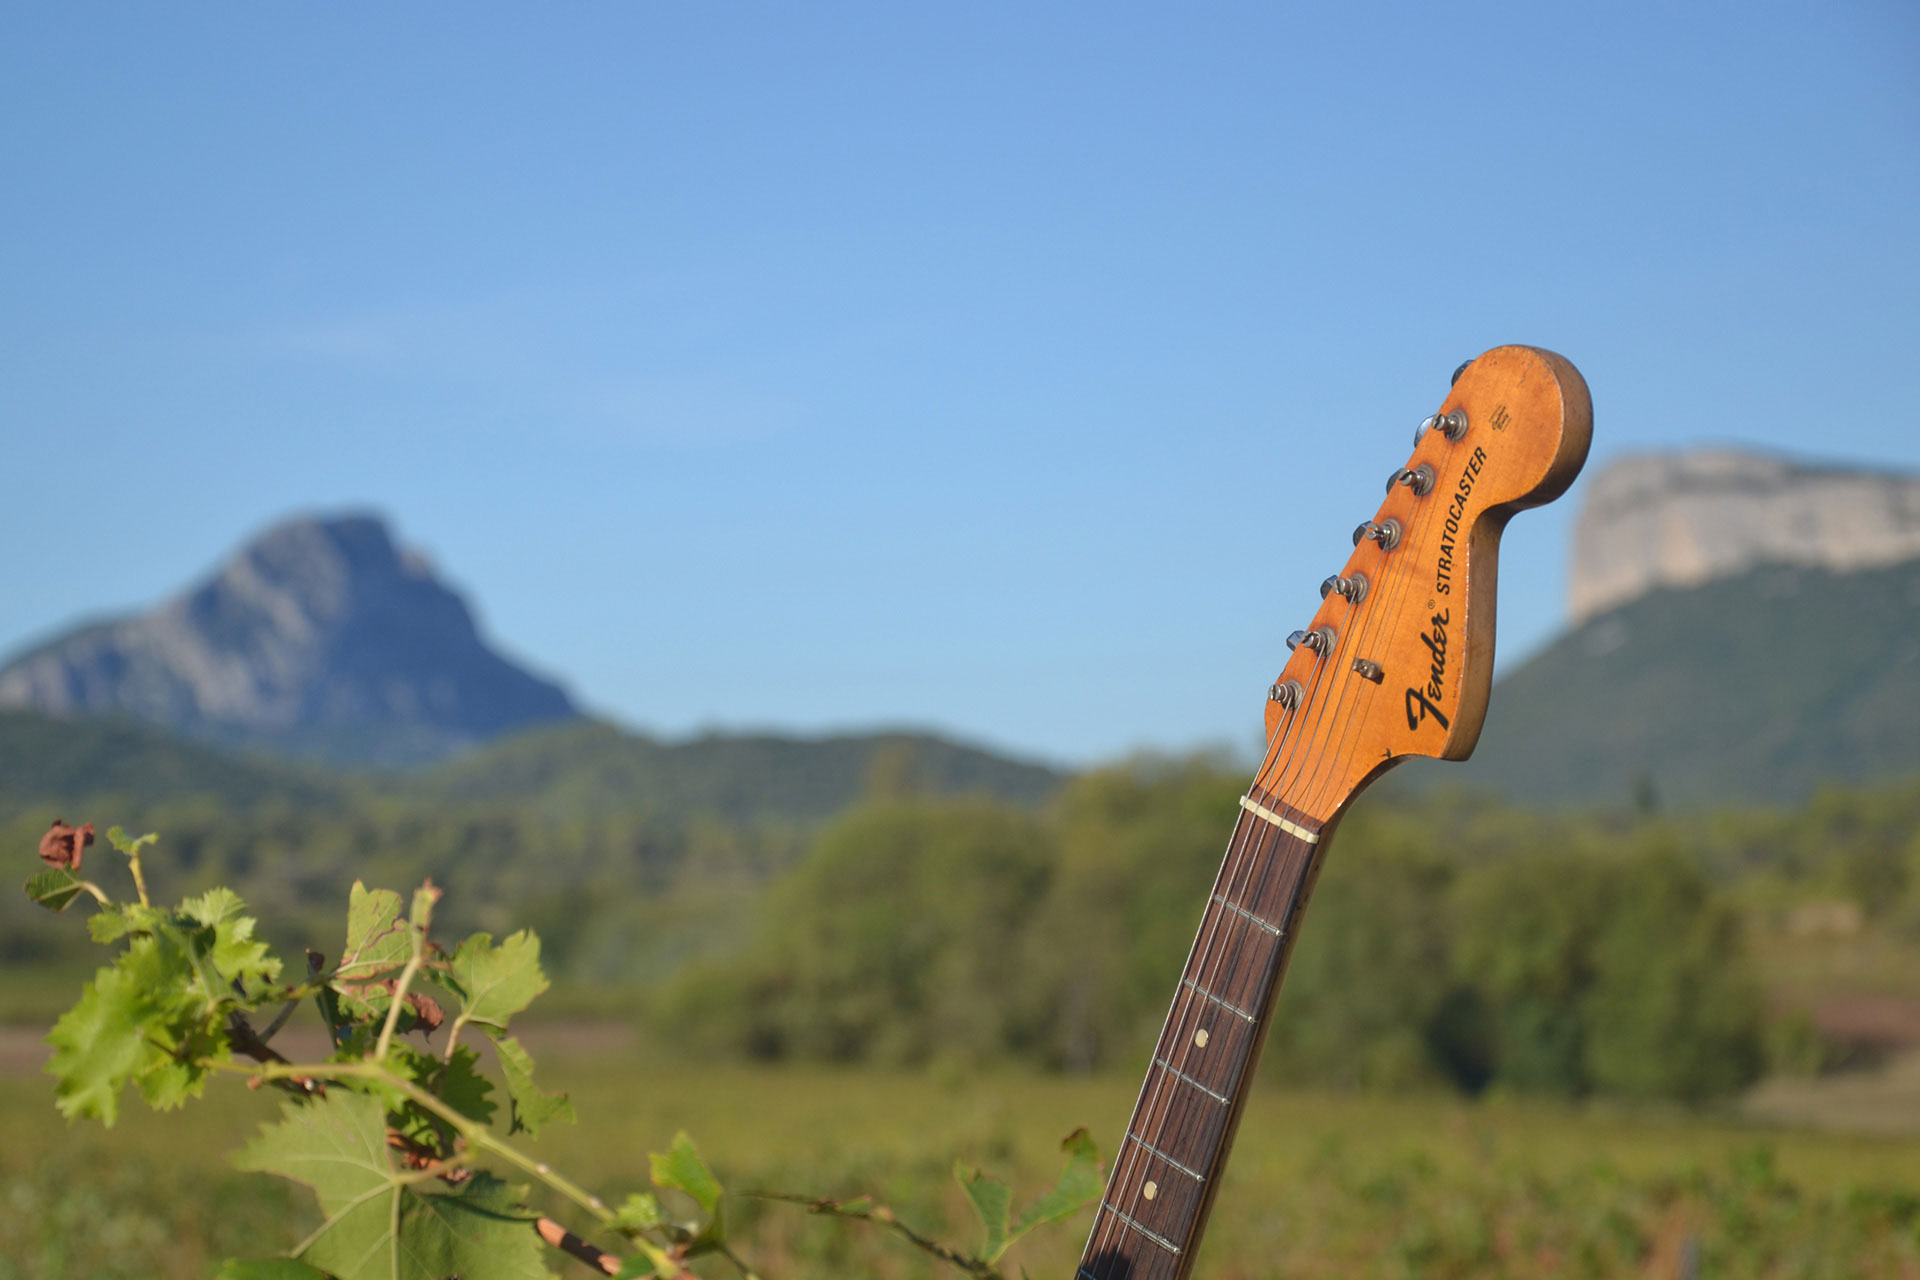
x: 1013, y: 369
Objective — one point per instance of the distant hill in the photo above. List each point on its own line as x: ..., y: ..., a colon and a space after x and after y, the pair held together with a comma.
x: 593, y: 768
x: 1758, y: 687
x: 48, y: 762
x: 582, y: 769
x: 319, y: 638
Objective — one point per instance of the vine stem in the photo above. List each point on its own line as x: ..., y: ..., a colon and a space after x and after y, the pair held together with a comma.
x: 139, y: 878
x: 882, y: 1216
x: 476, y: 1136
x: 417, y: 934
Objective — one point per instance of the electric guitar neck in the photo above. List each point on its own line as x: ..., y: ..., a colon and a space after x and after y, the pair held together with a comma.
x: 1397, y: 662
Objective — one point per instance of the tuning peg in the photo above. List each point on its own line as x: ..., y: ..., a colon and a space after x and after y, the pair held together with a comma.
x: 1419, y: 479
x: 1287, y: 693
x: 1320, y: 640
x: 1386, y: 533
x: 1464, y: 366
x: 1452, y: 425
x: 1354, y: 588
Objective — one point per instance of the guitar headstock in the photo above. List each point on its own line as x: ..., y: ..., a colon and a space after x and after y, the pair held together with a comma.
x: 1398, y: 660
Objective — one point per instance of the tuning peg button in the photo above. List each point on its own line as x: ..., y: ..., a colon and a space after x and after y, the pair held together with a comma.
x: 1452, y: 425
x: 1386, y: 533
x: 1353, y: 588
x: 1419, y: 479
x: 1319, y: 640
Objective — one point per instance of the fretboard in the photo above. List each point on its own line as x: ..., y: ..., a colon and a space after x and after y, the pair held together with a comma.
x: 1165, y: 1170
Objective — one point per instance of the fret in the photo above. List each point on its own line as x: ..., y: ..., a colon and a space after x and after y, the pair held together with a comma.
x: 1211, y: 1046
x: 1231, y: 960
x: 1152, y: 1150
x: 1184, y: 1125
x: 1156, y: 1195
x: 1273, y: 929
x: 1275, y: 893
x: 1154, y: 1236
x: 1221, y: 1098
x: 1233, y: 1009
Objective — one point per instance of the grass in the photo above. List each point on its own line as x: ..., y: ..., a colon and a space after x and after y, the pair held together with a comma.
x: 1320, y: 1185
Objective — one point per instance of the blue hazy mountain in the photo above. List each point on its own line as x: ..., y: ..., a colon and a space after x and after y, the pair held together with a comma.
x: 319, y: 638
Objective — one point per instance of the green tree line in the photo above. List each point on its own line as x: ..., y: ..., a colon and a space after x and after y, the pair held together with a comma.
x: 915, y: 930
x: 1452, y: 942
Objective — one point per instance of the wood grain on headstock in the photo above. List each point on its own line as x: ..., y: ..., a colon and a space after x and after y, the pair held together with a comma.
x: 1427, y: 616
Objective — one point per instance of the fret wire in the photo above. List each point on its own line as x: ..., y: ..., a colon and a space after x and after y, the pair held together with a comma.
x: 1273, y: 929
x: 1230, y: 1007
x: 1168, y: 1066
x: 1165, y: 1157
x: 1149, y: 1233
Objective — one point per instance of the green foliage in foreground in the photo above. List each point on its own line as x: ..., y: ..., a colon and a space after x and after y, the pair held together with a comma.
x: 394, y: 1136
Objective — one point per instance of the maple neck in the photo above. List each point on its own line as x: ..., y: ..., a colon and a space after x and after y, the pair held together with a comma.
x: 1165, y: 1171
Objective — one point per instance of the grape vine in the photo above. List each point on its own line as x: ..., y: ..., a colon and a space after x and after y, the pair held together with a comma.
x: 396, y: 1136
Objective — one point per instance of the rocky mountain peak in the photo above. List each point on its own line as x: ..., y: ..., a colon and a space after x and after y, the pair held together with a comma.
x: 320, y: 636
x: 1681, y: 519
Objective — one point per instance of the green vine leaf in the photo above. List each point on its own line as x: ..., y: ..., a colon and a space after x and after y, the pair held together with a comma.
x: 110, y: 924
x: 462, y: 1087
x: 533, y: 1107
x: 130, y: 845
x: 991, y: 1199
x: 56, y: 889
x: 680, y: 1168
x: 99, y: 1045
x: 235, y: 952
x: 379, y: 944
x: 268, y: 1269
x: 1080, y: 1185
x: 494, y: 983
x: 147, y: 1020
x: 640, y: 1213
x: 383, y: 1222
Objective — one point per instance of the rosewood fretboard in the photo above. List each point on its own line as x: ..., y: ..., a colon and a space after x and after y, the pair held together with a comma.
x: 1165, y: 1170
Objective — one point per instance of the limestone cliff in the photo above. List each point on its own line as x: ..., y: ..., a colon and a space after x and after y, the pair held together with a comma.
x: 1682, y: 519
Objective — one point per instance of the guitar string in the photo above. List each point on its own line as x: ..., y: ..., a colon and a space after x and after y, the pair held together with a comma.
x: 1155, y: 1094
x: 1400, y: 574
x: 1247, y: 854
x: 1204, y: 962
x: 1394, y: 575
x: 1152, y: 1110
x: 1258, y: 863
x: 1430, y: 512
